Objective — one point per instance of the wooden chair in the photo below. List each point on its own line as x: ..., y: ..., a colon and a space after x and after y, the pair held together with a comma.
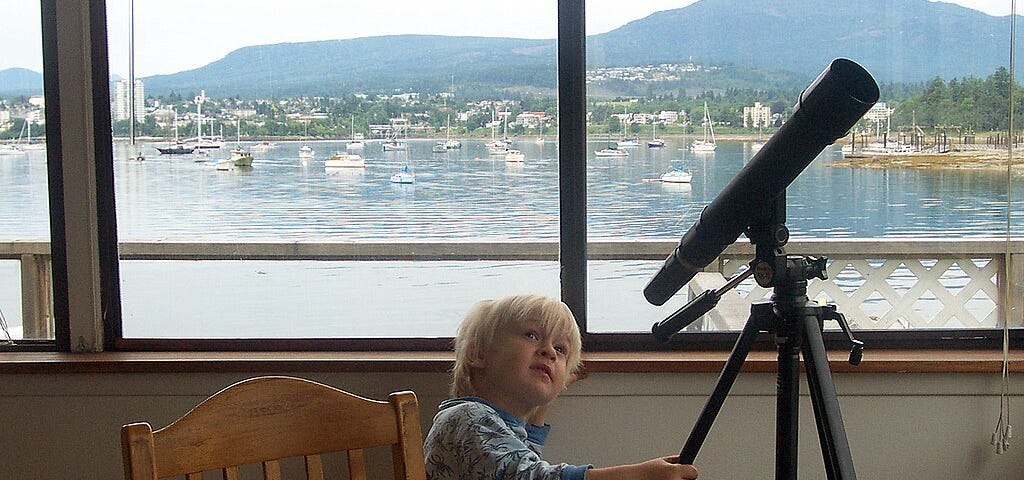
x: 265, y: 419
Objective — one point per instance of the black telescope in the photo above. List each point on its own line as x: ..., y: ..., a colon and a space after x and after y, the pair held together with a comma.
x: 825, y: 112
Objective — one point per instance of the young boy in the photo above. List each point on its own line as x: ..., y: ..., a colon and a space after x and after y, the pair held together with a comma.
x: 513, y: 356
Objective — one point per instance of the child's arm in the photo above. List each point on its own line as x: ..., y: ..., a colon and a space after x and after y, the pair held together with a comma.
x: 656, y: 469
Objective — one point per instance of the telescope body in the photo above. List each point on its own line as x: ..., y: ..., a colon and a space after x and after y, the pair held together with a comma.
x: 824, y: 113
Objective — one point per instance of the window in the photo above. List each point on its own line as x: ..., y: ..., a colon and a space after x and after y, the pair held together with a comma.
x: 288, y: 252
x: 681, y: 101
x: 24, y: 210
x: 278, y: 217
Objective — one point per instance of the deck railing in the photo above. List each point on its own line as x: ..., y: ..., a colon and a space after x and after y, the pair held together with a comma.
x: 877, y: 283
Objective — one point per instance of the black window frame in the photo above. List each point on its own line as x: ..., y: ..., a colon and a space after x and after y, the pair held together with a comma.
x: 572, y: 137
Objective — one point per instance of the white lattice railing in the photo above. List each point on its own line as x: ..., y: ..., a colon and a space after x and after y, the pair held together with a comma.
x: 900, y: 284
x: 877, y: 284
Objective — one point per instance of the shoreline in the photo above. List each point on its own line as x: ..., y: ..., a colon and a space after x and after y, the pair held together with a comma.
x: 986, y: 160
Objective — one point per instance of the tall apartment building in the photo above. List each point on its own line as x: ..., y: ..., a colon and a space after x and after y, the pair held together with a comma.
x: 758, y: 116
x: 121, y: 108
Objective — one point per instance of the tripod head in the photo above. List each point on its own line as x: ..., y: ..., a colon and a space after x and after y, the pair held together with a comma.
x: 772, y: 268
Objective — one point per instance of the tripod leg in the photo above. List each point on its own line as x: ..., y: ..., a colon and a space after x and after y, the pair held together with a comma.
x: 725, y: 380
x: 835, y: 448
x: 787, y: 398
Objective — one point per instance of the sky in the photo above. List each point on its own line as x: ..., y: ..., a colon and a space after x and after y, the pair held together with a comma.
x: 171, y: 36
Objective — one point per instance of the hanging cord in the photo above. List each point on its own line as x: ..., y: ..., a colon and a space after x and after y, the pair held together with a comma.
x: 1004, y: 431
x: 3, y: 325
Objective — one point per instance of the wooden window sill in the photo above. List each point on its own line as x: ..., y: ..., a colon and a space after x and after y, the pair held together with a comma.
x: 882, y: 361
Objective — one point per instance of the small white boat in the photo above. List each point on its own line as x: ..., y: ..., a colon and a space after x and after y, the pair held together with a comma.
x: 706, y: 144
x: 629, y: 142
x: 405, y: 176
x: 655, y: 142
x: 438, y: 148
x: 513, y: 155
x: 305, y: 152
x: 498, y: 149
x: 262, y: 147
x: 357, y: 138
x: 237, y: 158
x: 394, y: 146
x: 677, y: 175
x: 611, y: 152
x: 702, y: 146
x: 345, y: 160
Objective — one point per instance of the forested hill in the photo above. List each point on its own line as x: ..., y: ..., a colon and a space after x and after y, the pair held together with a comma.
x: 896, y: 40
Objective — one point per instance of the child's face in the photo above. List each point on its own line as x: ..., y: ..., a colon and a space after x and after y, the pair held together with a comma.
x: 524, y: 369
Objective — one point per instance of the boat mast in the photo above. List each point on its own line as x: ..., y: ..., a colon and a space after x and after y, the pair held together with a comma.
x: 131, y: 74
x: 199, y: 116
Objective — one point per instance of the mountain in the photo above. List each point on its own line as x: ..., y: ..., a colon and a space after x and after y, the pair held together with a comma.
x: 400, y: 63
x: 756, y: 44
x: 20, y: 81
x: 896, y: 40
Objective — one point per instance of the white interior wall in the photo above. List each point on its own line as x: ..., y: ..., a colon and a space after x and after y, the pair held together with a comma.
x: 906, y: 426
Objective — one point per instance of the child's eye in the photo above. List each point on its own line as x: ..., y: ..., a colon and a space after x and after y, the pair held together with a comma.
x: 532, y: 335
x: 562, y: 350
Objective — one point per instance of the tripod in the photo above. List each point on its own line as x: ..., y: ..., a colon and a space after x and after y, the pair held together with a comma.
x: 797, y: 327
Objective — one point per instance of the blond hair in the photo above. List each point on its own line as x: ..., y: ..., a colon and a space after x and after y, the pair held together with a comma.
x: 487, y: 318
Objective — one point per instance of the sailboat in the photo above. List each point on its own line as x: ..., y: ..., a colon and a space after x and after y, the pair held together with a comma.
x: 499, y: 147
x: 356, y: 142
x: 450, y: 143
x: 305, y: 151
x: 238, y: 156
x: 176, y: 148
x: 404, y: 176
x: 627, y: 141
x: 707, y: 144
x: 655, y: 142
x: 394, y: 142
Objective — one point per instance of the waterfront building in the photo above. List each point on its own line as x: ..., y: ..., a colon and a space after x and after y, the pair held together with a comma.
x: 669, y: 116
x: 121, y: 109
x: 757, y: 116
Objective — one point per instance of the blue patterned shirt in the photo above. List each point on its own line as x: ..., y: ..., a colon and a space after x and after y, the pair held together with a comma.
x: 474, y: 440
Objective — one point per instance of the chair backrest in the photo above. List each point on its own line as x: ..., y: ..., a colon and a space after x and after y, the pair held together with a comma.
x: 265, y: 419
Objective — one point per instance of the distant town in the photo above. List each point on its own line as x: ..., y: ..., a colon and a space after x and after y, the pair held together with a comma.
x: 914, y: 108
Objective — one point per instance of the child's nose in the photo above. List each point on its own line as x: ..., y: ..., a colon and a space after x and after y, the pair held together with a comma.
x: 547, y: 350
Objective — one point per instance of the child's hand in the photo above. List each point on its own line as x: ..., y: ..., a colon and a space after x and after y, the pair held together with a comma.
x: 664, y: 468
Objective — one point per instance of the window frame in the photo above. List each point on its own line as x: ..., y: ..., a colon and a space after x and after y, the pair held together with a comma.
x: 95, y: 322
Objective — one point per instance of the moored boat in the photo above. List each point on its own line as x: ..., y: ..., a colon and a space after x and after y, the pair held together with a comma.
x: 513, y: 155
x: 404, y: 176
x: 237, y: 157
x: 611, y: 151
x: 677, y: 175
x: 345, y: 160
x: 706, y: 144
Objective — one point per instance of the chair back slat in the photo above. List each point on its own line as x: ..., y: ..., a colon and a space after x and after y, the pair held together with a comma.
x: 314, y: 467
x: 271, y: 470
x: 356, y: 465
x: 231, y: 473
x: 264, y: 419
